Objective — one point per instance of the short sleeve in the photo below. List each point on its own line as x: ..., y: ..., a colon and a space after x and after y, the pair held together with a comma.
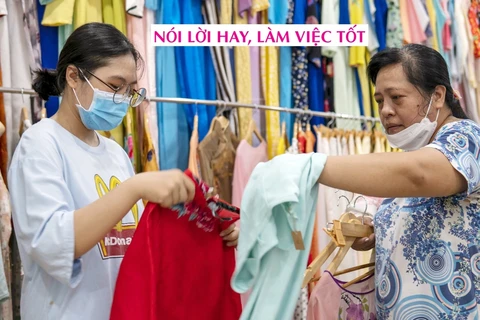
x: 460, y: 143
x: 43, y: 209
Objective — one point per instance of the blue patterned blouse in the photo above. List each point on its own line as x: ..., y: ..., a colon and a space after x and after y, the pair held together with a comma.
x: 428, y: 249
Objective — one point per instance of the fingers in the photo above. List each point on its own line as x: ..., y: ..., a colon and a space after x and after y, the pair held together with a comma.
x: 227, y: 231
x: 232, y: 244
x: 190, y: 189
x: 364, y: 244
x: 230, y: 235
x: 182, y: 194
x: 368, y: 221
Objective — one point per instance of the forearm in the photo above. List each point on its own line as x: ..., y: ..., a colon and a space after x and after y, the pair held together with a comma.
x: 94, y: 221
x: 378, y: 175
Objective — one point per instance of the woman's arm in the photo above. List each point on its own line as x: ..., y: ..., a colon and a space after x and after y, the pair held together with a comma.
x: 164, y: 187
x: 105, y: 212
x: 422, y: 173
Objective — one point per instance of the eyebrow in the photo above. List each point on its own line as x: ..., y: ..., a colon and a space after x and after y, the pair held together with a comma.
x: 389, y: 89
x: 122, y: 79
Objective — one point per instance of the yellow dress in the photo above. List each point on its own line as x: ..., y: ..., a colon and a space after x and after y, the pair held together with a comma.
x: 259, y: 6
x: 243, y: 78
x: 226, y: 11
x: 149, y: 155
x: 87, y: 11
x: 271, y: 92
x: 114, y: 14
x: 433, y: 23
x: 58, y: 13
x: 358, y: 56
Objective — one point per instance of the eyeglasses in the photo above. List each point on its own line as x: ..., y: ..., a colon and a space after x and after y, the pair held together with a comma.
x: 120, y: 94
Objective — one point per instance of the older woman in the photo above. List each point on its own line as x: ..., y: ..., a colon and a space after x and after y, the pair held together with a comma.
x: 428, y: 230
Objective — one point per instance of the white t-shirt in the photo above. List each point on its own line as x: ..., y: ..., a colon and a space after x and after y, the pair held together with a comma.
x: 52, y: 174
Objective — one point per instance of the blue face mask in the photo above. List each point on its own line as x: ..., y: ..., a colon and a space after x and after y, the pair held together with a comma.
x: 104, y: 114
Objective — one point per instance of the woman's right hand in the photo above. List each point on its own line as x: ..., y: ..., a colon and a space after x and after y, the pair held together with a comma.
x: 167, y: 188
x: 367, y: 243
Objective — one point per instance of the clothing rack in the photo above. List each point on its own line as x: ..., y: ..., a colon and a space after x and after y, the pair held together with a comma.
x: 225, y: 104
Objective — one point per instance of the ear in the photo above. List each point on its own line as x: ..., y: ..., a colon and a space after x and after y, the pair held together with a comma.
x: 439, y: 97
x: 72, y: 76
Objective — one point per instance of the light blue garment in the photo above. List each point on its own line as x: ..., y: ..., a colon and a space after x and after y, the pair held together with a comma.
x: 173, y: 136
x: 286, y: 100
x: 441, y: 20
x: 64, y: 32
x: 52, y: 174
x: 275, y: 203
x: 45, y: 2
x: 195, y: 71
x: 278, y: 11
x: 152, y: 4
x: 428, y: 249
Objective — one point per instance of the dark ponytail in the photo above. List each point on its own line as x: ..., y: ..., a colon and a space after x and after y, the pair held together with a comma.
x: 89, y: 47
x: 424, y: 67
x: 45, y: 83
x: 452, y: 101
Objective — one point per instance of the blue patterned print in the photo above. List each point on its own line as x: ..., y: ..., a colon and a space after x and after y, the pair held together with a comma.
x: 428, y: 249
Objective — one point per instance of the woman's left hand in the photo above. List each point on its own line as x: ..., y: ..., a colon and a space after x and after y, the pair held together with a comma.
x: 230, y: 235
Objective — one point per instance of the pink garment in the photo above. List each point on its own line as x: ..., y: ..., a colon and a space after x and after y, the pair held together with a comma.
x: 417, y: 34
x: 355, y: 302
x: 247, y: 158
x: 257, y: 94
x: 447, y: 36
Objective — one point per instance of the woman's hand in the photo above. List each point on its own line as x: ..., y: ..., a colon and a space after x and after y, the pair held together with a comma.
x: 230, y: 235
x: 167, y: 188
x: 367, y: 243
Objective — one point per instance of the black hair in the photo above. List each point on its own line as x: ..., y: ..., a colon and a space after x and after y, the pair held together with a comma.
x: 425, y: 69
x: 89, y: 47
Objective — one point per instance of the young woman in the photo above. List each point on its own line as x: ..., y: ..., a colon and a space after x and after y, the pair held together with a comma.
x: 427, y: 232
x: 76, y: 200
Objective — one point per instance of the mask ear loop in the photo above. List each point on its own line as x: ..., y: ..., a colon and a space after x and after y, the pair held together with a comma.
x: 75, y: 92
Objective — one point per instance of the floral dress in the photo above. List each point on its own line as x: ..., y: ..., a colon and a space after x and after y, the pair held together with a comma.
x: 428, y: 249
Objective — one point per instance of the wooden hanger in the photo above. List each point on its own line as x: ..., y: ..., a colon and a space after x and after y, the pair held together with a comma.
x: 43, y: 113
x: 195, y: 123
x: 219, y: 122
x: 2, y: 129
x: 359, y: 278
x: 23, y: 117
x: 345, y: 230
x: 345, y: 271
x: 252, y: 129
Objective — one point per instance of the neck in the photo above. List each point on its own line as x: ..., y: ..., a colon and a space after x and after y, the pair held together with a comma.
x: 449, y: 118
x: 68, y: 117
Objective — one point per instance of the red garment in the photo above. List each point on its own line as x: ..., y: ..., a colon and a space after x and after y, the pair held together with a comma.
x: 302, y: 141
x: 176, y: 269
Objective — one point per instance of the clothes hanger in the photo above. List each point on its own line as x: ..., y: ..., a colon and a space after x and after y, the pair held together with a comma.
x: 219, y: 122
x: 195, y: 118
x: 43, y: 112
x: 2, y: 129
x: 223, y: 120
x: 23, y: 117
x: 283, y: 132
x: 253, y: 129
x: 345, y: 271
x: 345, y: 230
x: 359, y: 278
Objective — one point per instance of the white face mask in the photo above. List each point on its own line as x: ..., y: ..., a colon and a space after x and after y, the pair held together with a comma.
x: 417, y: 135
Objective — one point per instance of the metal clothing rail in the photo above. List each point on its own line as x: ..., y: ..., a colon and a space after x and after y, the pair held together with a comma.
x: 225, y: 104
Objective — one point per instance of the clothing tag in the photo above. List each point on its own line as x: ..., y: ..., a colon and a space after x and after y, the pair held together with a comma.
x: 298, y: 240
